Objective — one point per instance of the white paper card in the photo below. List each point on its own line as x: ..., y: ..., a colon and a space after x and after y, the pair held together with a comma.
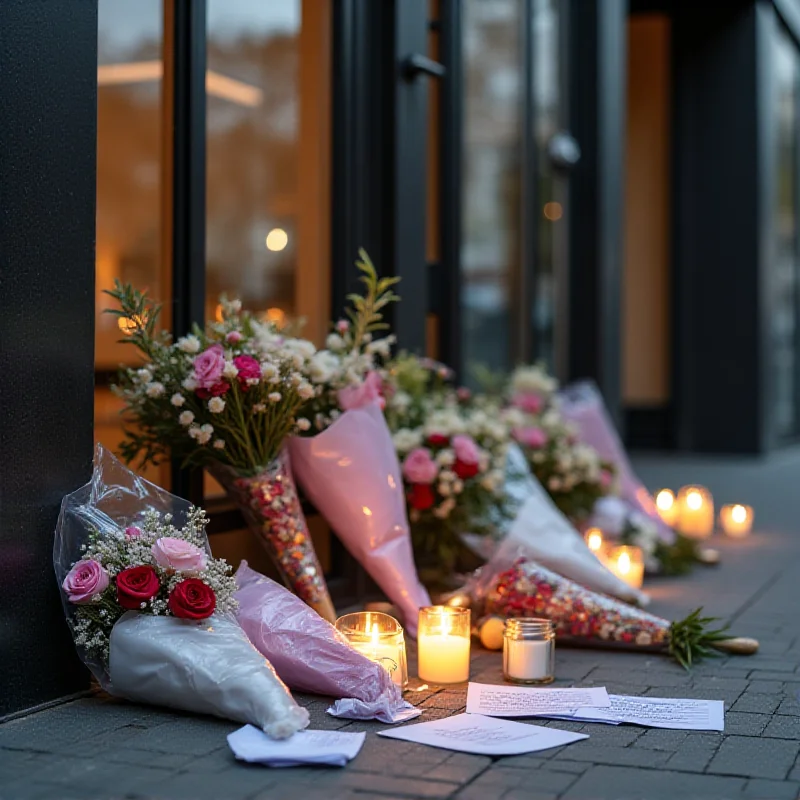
x: 522, y: 701
x: 659, y: 712
x: 334, y: 748
x: 485, y: 736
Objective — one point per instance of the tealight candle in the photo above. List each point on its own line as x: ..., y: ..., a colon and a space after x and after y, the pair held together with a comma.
x: 627, y: 563
x: 736, y: 520
x: 696, y: 512
x: 380, y: 638
x: 667, y: 508
x: 443, y: 644
x: 594, y: 540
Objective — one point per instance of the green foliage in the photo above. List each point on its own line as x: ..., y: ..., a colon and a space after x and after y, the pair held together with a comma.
x: 677, y: 558
x: 365, y: 312
x: 692, y: 639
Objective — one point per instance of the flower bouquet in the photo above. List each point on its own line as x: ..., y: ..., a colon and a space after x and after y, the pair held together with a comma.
x: 523, y: 588
x: 226, y: 398
x: 151, y: 611
x: 344, y: 459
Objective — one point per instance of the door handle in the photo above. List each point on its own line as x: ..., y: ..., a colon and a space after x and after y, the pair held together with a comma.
x: 418, y: 64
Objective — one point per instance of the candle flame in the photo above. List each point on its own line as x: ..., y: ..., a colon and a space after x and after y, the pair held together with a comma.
x: 739, y: 514
x: 665, y: 500
x: 374, y: 634
x: 694, y: 500
x: 445, y: 623
x: 624, y: 563
x: 594, y: 538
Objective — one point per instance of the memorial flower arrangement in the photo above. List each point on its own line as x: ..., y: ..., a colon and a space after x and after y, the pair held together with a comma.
x: 573, y: 473
x: 452, y: 450
x: 226, y: 397
x: 154, y: 568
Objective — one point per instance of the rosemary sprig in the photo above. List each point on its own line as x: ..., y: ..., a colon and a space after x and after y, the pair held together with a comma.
x: 692, y: 639
x: 365, y: 312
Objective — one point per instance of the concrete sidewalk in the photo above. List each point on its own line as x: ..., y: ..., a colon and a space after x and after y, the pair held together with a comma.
x: 101, y: 748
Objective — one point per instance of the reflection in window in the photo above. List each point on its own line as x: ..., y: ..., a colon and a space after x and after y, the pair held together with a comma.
x: 785, y: 252
x: 129, y: 40
x: 491, y: 168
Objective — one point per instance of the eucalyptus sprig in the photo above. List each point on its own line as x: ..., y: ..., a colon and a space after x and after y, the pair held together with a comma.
x: 692, y: 639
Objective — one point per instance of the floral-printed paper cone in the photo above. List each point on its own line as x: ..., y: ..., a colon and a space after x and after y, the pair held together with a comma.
x: 272, y: 509
x: 351, y: 474
x: 583, y: 405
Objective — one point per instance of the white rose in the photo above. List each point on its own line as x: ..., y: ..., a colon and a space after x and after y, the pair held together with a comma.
x: 186, y: 418
x: 230, y: 371
x: 189, y: 344
x: 216, y: 405
x: 190, y: 384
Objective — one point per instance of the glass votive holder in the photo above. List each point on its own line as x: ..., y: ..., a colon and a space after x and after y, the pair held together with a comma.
x: 736, y: 520
x: 695, y: 512
x: 667, y: 507
x: 529, y: 651
x: 594, y: 541
x: 443, y: 639
x: 627, y: 563
x: 380, y: 638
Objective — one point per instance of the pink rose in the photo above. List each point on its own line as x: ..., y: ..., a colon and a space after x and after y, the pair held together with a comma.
x: 352, y: 397
x: 467, y: 452
x: 131, y: 532
x: 177, y: 554
x: 234, y: 337
x: 249, y: 369
x: 419, y: 467
x: 529, y: 402
x: 85, y: 580
x: 535, y: 438
x: 208, y: 366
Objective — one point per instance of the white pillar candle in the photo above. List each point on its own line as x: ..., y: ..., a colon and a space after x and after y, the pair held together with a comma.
x: 736, y: 520
x: 667, y: 507
x: 443, y: 640
x: 696, y: 512
x: 627, y: 563
x: 528, y: 660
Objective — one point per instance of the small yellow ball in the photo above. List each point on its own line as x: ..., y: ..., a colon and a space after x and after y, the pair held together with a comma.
x: 491, y: 633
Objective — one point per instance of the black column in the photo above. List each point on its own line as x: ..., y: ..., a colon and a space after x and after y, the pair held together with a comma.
x: 48, y: 141
x: 597, y: 120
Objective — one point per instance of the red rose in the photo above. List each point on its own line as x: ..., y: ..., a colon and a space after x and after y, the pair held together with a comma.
x: 249, y: 369
x: 136, y: 585
x: 421, y: 497
x: 438, y: 440
x: 465, y: 470
x: 192, y: 599
x: 217, y: 390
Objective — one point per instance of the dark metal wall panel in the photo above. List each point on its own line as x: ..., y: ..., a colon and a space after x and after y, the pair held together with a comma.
x: 48, y: 140
x: 597, y: 119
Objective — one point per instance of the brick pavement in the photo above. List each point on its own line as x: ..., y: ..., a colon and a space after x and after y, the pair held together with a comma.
x: 101, y: 748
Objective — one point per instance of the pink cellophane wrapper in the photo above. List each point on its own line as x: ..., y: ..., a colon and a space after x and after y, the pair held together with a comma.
x: 582, y: 404
x: 272, y: 509
x: 309, y: 654
x: 519, y: 587
x: 351, y: 474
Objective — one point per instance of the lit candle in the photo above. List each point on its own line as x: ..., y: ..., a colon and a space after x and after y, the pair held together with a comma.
x: 380, y: 638
x: 594, y: 540
x: 443, y: 644
x: 667, y: 508
x: 627, y: 563
x: 696, y: 512
x: 736, y: 520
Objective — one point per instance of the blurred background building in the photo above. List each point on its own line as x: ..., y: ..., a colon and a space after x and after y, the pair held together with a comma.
x: 610, y: 187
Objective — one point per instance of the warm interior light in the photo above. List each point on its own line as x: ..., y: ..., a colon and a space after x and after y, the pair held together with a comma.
x: 694, y: 500
x: 553, y: 211
x: 739, y: 514
x: 218, y: 313
x: 277, y: 316
x: 665, y: 499
x: 277, y: 239
x: 594, y: 538
x: 624, y: 563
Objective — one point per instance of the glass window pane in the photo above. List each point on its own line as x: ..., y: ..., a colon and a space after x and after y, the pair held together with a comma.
x: 784, y: 272
x: 491, y: 246
x: 128, y: 183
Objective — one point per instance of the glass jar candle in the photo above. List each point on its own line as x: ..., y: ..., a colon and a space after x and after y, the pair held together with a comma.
x: 627, y: 563
x: 443, y: 639
x: 380, y: 638
x: 529, y: 651
x: 736, y: 520
x: 696, y: 512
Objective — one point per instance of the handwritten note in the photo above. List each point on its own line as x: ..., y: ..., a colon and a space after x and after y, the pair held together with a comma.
x: 473, y: 733
x: 658, y: 712
x: 333, y: 748
x: 522, y: 701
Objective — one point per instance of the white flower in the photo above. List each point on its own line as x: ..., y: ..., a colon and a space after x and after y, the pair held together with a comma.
x: 190, y: 384
x: 444, y: 489
x: 268, y: 371
x: 189, y: 344
x: 381, y: 347
x: 155, y: 389
x: 334, y: 342
x: 306, y: 391
x: 259, y: 407
x: 216, y: 405
x: 194, y: 430
x: 177, y: 399
x: 219, y: 444
x: 230, y: 371
x: 448, y: 475
x: 204, y: 434
x: 458, y: 486
x: 405, y: 439
x: 144, y: 375
x: 303, y: 424
x: 401, y: 400
x: 186, y: 418
x: 323, y: 366
x: 235, y: 306
x: 446, y: 457
x: 274, y: 397
x: 299, y: 347
x: 533, y: 379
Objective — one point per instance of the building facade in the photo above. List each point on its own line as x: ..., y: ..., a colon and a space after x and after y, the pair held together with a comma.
x: 607, y: 186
